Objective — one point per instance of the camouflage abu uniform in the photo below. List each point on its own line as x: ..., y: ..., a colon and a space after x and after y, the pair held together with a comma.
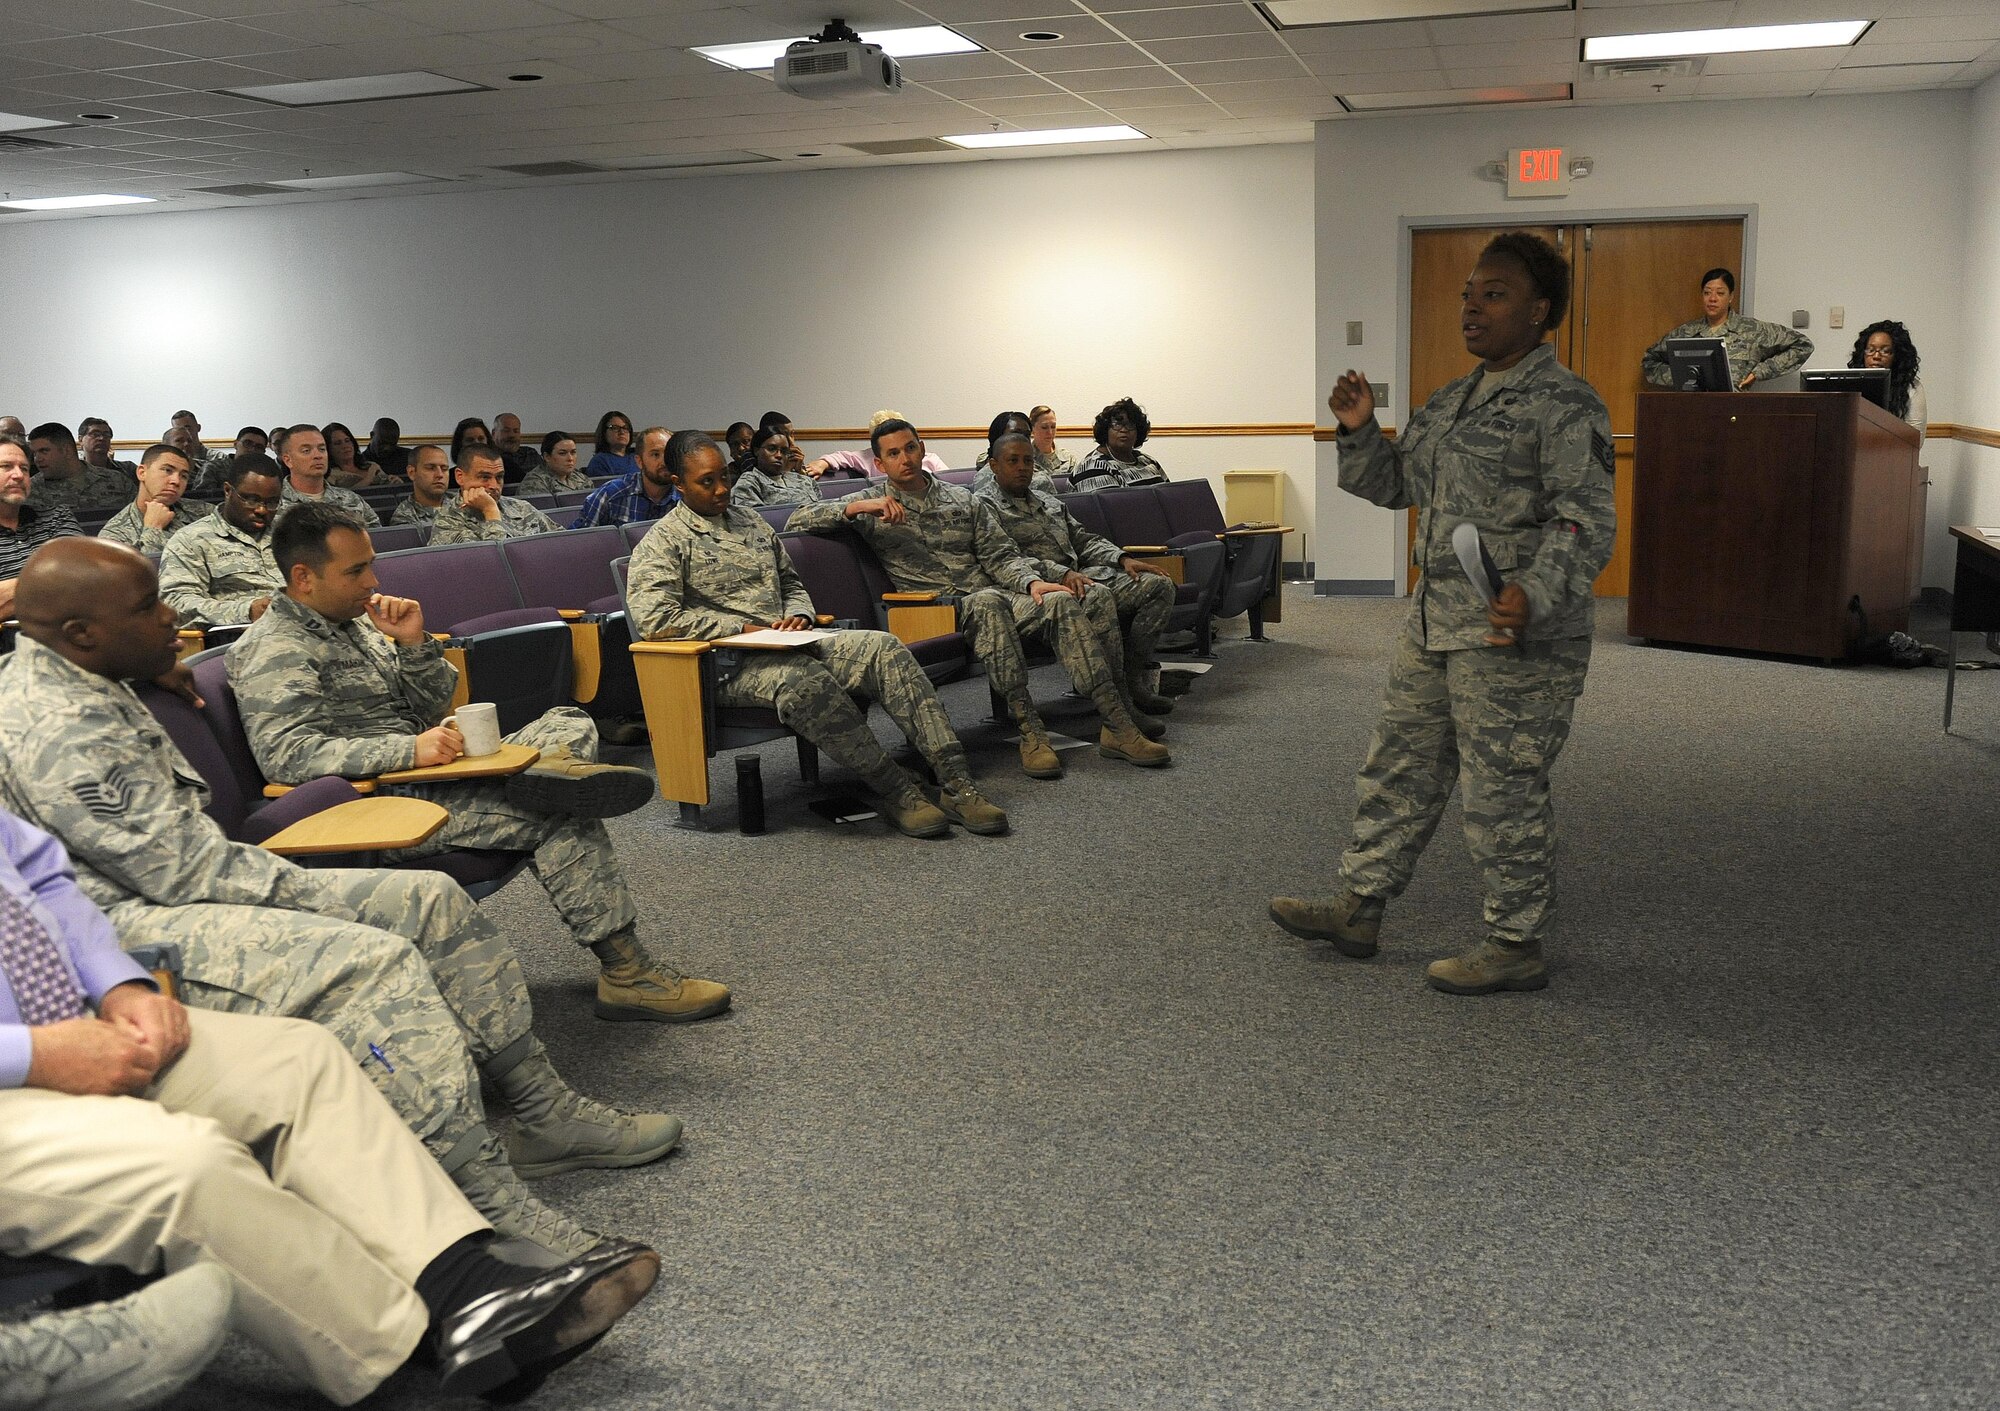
x: 1526, y: 456
x: 1767, y: 349
x: 129, y: 526
x: 756, y: 488
x: 703, y: 578
x: 952, y: 544
x: 455, y: 524
x: 399, y: 961
x: 95, y: 487
x: 336, y: 495
x: 211, y: 572
x: 543, y: 480
x: 321, y: 697
x: 408, y: 511
x: 1049, y: 533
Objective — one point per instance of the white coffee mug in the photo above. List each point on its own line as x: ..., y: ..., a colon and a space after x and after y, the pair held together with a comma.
x: 479, y: 723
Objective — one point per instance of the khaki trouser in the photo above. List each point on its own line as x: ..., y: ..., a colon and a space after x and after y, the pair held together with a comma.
x: 325, y: 1238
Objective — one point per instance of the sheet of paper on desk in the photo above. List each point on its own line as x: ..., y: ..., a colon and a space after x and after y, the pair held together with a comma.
x: 772, y: 637
x: 1989, y: 531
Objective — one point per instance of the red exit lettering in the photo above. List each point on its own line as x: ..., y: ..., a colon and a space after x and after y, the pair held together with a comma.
x: 1543, y: 164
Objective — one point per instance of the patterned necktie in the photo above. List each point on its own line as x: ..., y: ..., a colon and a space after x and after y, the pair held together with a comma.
x: 44, y: 990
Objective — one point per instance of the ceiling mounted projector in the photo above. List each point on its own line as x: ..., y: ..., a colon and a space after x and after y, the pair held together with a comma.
x: 835, y: 63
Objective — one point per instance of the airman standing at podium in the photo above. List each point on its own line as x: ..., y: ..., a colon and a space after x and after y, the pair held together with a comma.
x: 1520, y: 448
x: 1758, y: 351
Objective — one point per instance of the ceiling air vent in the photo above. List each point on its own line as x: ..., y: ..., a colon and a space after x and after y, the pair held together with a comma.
x: 246, y: 188
x: 551, y: 169
x: 1646, y: 70
x: 902, y: 146
x: 10, y: 143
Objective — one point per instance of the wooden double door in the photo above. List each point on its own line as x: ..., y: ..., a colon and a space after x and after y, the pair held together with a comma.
x: 1631, y: 282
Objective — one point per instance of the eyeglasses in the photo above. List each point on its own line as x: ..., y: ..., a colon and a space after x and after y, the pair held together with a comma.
x: 269, y: 502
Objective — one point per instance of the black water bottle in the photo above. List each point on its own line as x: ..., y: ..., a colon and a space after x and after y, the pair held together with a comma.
x: 749, y: 794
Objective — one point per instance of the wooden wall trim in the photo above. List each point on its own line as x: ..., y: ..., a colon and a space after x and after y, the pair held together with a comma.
x: 1938, y: 431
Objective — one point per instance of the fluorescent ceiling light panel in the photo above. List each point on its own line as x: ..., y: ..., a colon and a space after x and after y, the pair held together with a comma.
x: 339, y: 183
x: 1749, y: 39
x: 74, y: 203
x: 1297, y: 14
x: 1456, y: 97
x: 921, y: 42
x: 1049, y: 137
x: 371, y: 88
x: 17, y: 122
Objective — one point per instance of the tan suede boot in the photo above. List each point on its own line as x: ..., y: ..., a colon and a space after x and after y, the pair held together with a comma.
x: 1489, y: 967
x: 635, y: 986
x: 964, y: 805
x: 915, y: 816
x: 1350, y: 922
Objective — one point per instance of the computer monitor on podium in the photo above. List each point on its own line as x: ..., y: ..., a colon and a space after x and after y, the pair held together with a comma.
x: 1699, y: 365
x: 1870, y: 382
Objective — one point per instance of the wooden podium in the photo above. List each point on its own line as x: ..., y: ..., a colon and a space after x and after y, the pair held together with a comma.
x: 1758, y: 517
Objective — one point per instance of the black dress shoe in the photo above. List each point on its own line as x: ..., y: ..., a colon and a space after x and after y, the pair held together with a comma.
x: 502, y: 1345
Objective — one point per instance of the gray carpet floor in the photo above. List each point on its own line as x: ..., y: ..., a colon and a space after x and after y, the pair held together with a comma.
x: 1062, y: 1120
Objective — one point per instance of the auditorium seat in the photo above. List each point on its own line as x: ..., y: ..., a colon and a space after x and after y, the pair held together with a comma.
x: 847, y: 584
x: 572, y: 574
x: 689, y: 727
x: 1250, y: 575
x: 388, y: 538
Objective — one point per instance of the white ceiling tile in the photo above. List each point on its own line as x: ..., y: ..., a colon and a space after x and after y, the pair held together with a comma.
x: 196, y: 105
x: 1020, y: 86
x: 1528, y: 51
x: 1333, y: 39
x: 1509, y: 76
x: 1219, y: 46
x: 460, y: 16
x: 1074, y: 29
x: 1654, y: 18
x: 1906, y: 9
x: 641, y: 63
x: 685, y: 28
x: 1227, y: 93
x: 1076, y: 58
x: 1391, y: 83
x: 203, y: 74
x: 1756, y: 85
x: 604, y: 9
x: 1775, y: 62
x: 1757, y: 12
x: 1942, y: 30
x: 209, y: 39
x: 958, y: 13
x: 957, y: 66
x: 337, y: 24
x: 1241, y: 70
x: 104, y: 87
x: 1055, y: 105
x: 1505, y: 29
x: 1131, y: 99
x: 1188, y: 22
x: 1892, y: 76
x: 84, y: 51
x: 1963, y: 52
x: 84, y: 16
x: 1373, y: 61
x: 1111, y: 80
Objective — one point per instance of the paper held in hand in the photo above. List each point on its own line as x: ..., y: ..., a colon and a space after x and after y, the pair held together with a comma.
x: 773, y: 639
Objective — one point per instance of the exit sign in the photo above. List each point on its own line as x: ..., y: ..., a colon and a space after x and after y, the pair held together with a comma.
x: 1537, y: 171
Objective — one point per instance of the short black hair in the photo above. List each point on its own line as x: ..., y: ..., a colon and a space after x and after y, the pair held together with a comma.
x: 301, y: 530
x: 255, y: 463
x: 996, y: 427
x: 763, y: 434
x: 1128, y: 411
x: 256, y: 431
x: 1728, y: 279
x: 773, y: 419
x: 555, y: 439
x: 472, y: 451
x: 1007, y: 438
x: 458, y: 434
x: 155, y: 451
x: 53, y: 431
x: 88, y: 422
x: 736, y: 426
x: 683, y: 444
x: 886, y: 429
x: 1547, y: 270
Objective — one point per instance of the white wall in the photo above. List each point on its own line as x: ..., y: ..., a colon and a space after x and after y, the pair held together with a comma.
x: 1972, y: 495
x: 950, y: 292
x: 1859, y: 201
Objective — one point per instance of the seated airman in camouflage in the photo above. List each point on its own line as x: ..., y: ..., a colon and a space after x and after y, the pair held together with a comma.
x: 159, y: 511
x: 936, y: 537
x: 339, y: 679
x: 776, y: 474
x: 220, y: 570
x: 63, y: 479
x: 430, y: 484
x: 301, y: 450
x: 709, y: 570
x: 1083, y: 562
x: 400, y: 965
x: 479, y: 510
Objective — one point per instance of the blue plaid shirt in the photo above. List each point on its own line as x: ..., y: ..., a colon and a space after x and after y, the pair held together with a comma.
x: 622, y: 501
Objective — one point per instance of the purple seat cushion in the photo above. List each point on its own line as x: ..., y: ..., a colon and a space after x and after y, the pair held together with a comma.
x: 314, y: 796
